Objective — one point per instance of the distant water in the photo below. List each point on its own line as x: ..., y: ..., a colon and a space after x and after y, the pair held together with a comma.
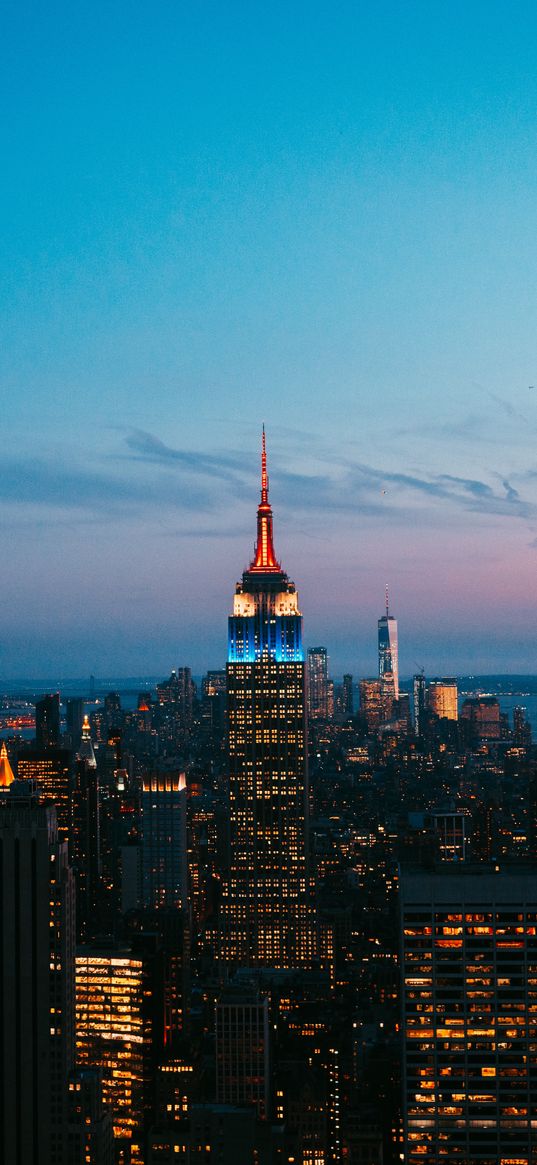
x: 24, y: 692
x: 529, y: 702
x: 512, y: 691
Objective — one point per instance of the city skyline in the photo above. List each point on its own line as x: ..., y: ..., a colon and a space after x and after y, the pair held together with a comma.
x: 325, y: 224
x: 361, y: 654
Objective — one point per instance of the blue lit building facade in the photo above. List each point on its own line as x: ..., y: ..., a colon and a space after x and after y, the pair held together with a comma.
x: 266, y: 903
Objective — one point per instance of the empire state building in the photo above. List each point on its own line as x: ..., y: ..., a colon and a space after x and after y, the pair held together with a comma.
x: 266, y: 912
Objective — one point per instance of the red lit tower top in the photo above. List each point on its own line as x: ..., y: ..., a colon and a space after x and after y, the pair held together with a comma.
x: 264, y: 560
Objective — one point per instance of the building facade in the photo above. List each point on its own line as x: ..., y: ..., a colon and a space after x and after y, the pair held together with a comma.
x: 469, y: 997
x: 164, y: 845
x: 242, y: 1050
x: 52, y: 770
x: 442, y: 699
x: 113, y: 1033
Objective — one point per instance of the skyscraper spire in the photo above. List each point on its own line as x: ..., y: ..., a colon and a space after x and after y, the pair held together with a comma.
x: 85, y: 751
x: 264, y: 476
x: 6, y: 772
x: 387, y: 602
x: 264, y: 559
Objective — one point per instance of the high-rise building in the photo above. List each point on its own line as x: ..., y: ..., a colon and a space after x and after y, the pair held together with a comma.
x: 521, y: 728
x: 51, y: 769
x: 266, y: 911
x: 74, y: 719
x: 90, y: 1137
x: 242, y: 1049
x: 37, y: 946
x: 213, y: 703
x: 376, y: 702
x: 469, y: 950
x: 347, y: 696
x: 47, y: 722
x: 388, y: 648
x: 186, y: 688
x: 164, y: 844
x: 419, y: 701
x: 442, y: 699
x: 85, y: 836
x: 114, y: 1032
x: 481, y: 714
x: 317, y: 683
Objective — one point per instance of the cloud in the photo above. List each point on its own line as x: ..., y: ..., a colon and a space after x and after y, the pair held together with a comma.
x: 176, y: 480
x: 149, y: 448
x: 506, y: 406
x: 472, y: 427
x: 70, y: 487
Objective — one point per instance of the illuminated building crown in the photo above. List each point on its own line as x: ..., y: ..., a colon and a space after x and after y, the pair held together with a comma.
x: 6, y: 772
x: 266, y: 619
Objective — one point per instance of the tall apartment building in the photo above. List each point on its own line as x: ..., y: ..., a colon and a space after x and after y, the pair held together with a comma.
x: 37, y: 943
x: 469, y: 1001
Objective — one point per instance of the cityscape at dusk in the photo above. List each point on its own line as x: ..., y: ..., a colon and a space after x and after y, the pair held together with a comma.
x: 268, y: 647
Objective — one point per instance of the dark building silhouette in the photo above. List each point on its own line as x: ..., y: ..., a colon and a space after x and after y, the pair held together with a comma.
x: 85, y: 837
x: 242, y: 1049
x: 74, y: 719
x: 347, y: 696
x: 90, y: 1135
x: 37, y: 933
x: 47, y: 722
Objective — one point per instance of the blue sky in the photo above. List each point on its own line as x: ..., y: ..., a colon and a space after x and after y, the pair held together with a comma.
x: 319, y: 216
